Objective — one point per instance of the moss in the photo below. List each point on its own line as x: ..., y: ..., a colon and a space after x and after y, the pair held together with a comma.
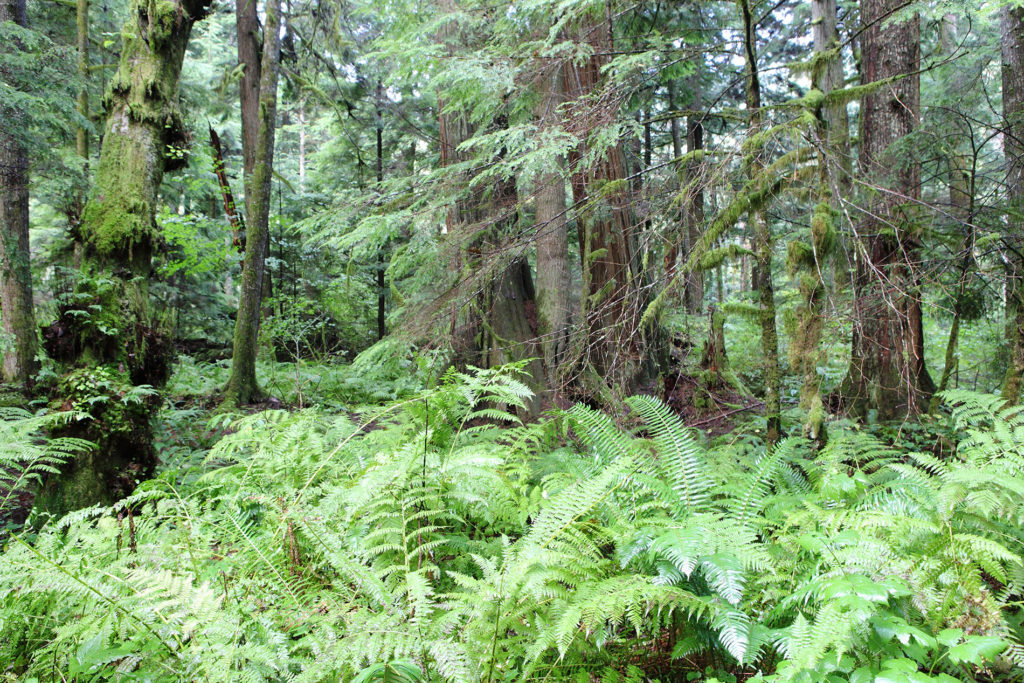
x: 799, y: 257
x: 742, y: 309
x: 823, y: 230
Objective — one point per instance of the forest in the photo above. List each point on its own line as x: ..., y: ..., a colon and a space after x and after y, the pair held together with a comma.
x: 542, y: 340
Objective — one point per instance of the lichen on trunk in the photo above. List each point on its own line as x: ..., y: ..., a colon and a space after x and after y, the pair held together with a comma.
x: 105, y: 336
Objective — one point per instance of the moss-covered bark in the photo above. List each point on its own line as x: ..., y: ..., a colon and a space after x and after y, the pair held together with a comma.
x: 18, y: 318
x: 105, y: 335
x: 242, y: 386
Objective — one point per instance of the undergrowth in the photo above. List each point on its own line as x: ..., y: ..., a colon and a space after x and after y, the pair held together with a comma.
x: 438, y: 539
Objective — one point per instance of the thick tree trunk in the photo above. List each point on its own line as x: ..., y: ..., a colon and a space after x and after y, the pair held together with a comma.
x: 18, y: 317
x: 1013, y: 147
x: 242, y: 386
x: 887, y: 370
x: 506, y: 293
x: 112, y: 343
x: 617, y: 350
x: 553, y: 280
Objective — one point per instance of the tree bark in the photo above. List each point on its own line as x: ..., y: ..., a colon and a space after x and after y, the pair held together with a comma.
x: 617, y: 350
x: 553, y: 279
x: 242, y: 386
x: 110, y: 340
x: 18, y: 317
x: 763, y: 246
x: 887, y: 370
x: 807, y: 260
x: 694, y: 209
x: 1013, y: 147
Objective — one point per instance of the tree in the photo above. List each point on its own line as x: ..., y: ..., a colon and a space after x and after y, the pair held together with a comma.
x: 259, y: 152
x: 616, y: 351
x: 1013, y: 147
x: 105, y: 335
x: 887, y: 370
x: 19, y: 360
x: 553, y: 271
x: 763, y: 243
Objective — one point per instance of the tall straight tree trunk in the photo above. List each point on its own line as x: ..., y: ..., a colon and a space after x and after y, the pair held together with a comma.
x: 82, y: 23
x: 887, y: 356
x: 617, y: 351
x: 114, y: 341
x: 552, y: 239
x: 762, y: 247
x: 807, y: 260
x: 1013, y: 147
x: 242, y: 386
x: 960, y: 210
x: 694, y: 209
x: 19, y: 322
x: 382, y: 256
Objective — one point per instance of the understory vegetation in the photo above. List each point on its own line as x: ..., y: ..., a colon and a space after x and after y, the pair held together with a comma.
x: 436, y: 538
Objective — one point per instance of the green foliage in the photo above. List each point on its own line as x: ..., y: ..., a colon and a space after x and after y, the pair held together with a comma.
x: 429, y: 542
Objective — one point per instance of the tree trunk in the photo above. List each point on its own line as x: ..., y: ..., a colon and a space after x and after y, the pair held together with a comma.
x: 807, y: 260
x: 617, y: 350
x: 18, y: 317
x: 762, y: 276
x: 553, y: 279
x: 242, y: 386
x: 382, y: 257
x: 105, y: 334
x: 694, y: 209
x: 481, y: 226
x: 1013, y: 146
x: 887, y: 370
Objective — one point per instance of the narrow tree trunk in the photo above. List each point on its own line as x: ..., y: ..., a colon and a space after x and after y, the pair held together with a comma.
x: 230, y: 208
x: 19, y: 322
x: 1013, y: 146
x: 887, y: 370
x: 242, y: 386
x: 808, y: 260
x: 762, y: 249
x: 382, y: 256
x: 82, y: 22
x: 553, y: 280
x: 694, y: 209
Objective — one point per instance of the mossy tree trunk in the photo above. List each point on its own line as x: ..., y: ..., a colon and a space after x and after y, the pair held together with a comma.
x: 105, y: 334
x: 763, y: 246
x: 242, y: 386
x: 887, y: 371
x: 807, y: 260
x: 553, y: 279
x: 1013, y: 146
x: 19, y: 323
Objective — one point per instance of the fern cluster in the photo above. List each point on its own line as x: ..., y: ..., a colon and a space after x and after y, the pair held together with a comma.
x: 438, y: 539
